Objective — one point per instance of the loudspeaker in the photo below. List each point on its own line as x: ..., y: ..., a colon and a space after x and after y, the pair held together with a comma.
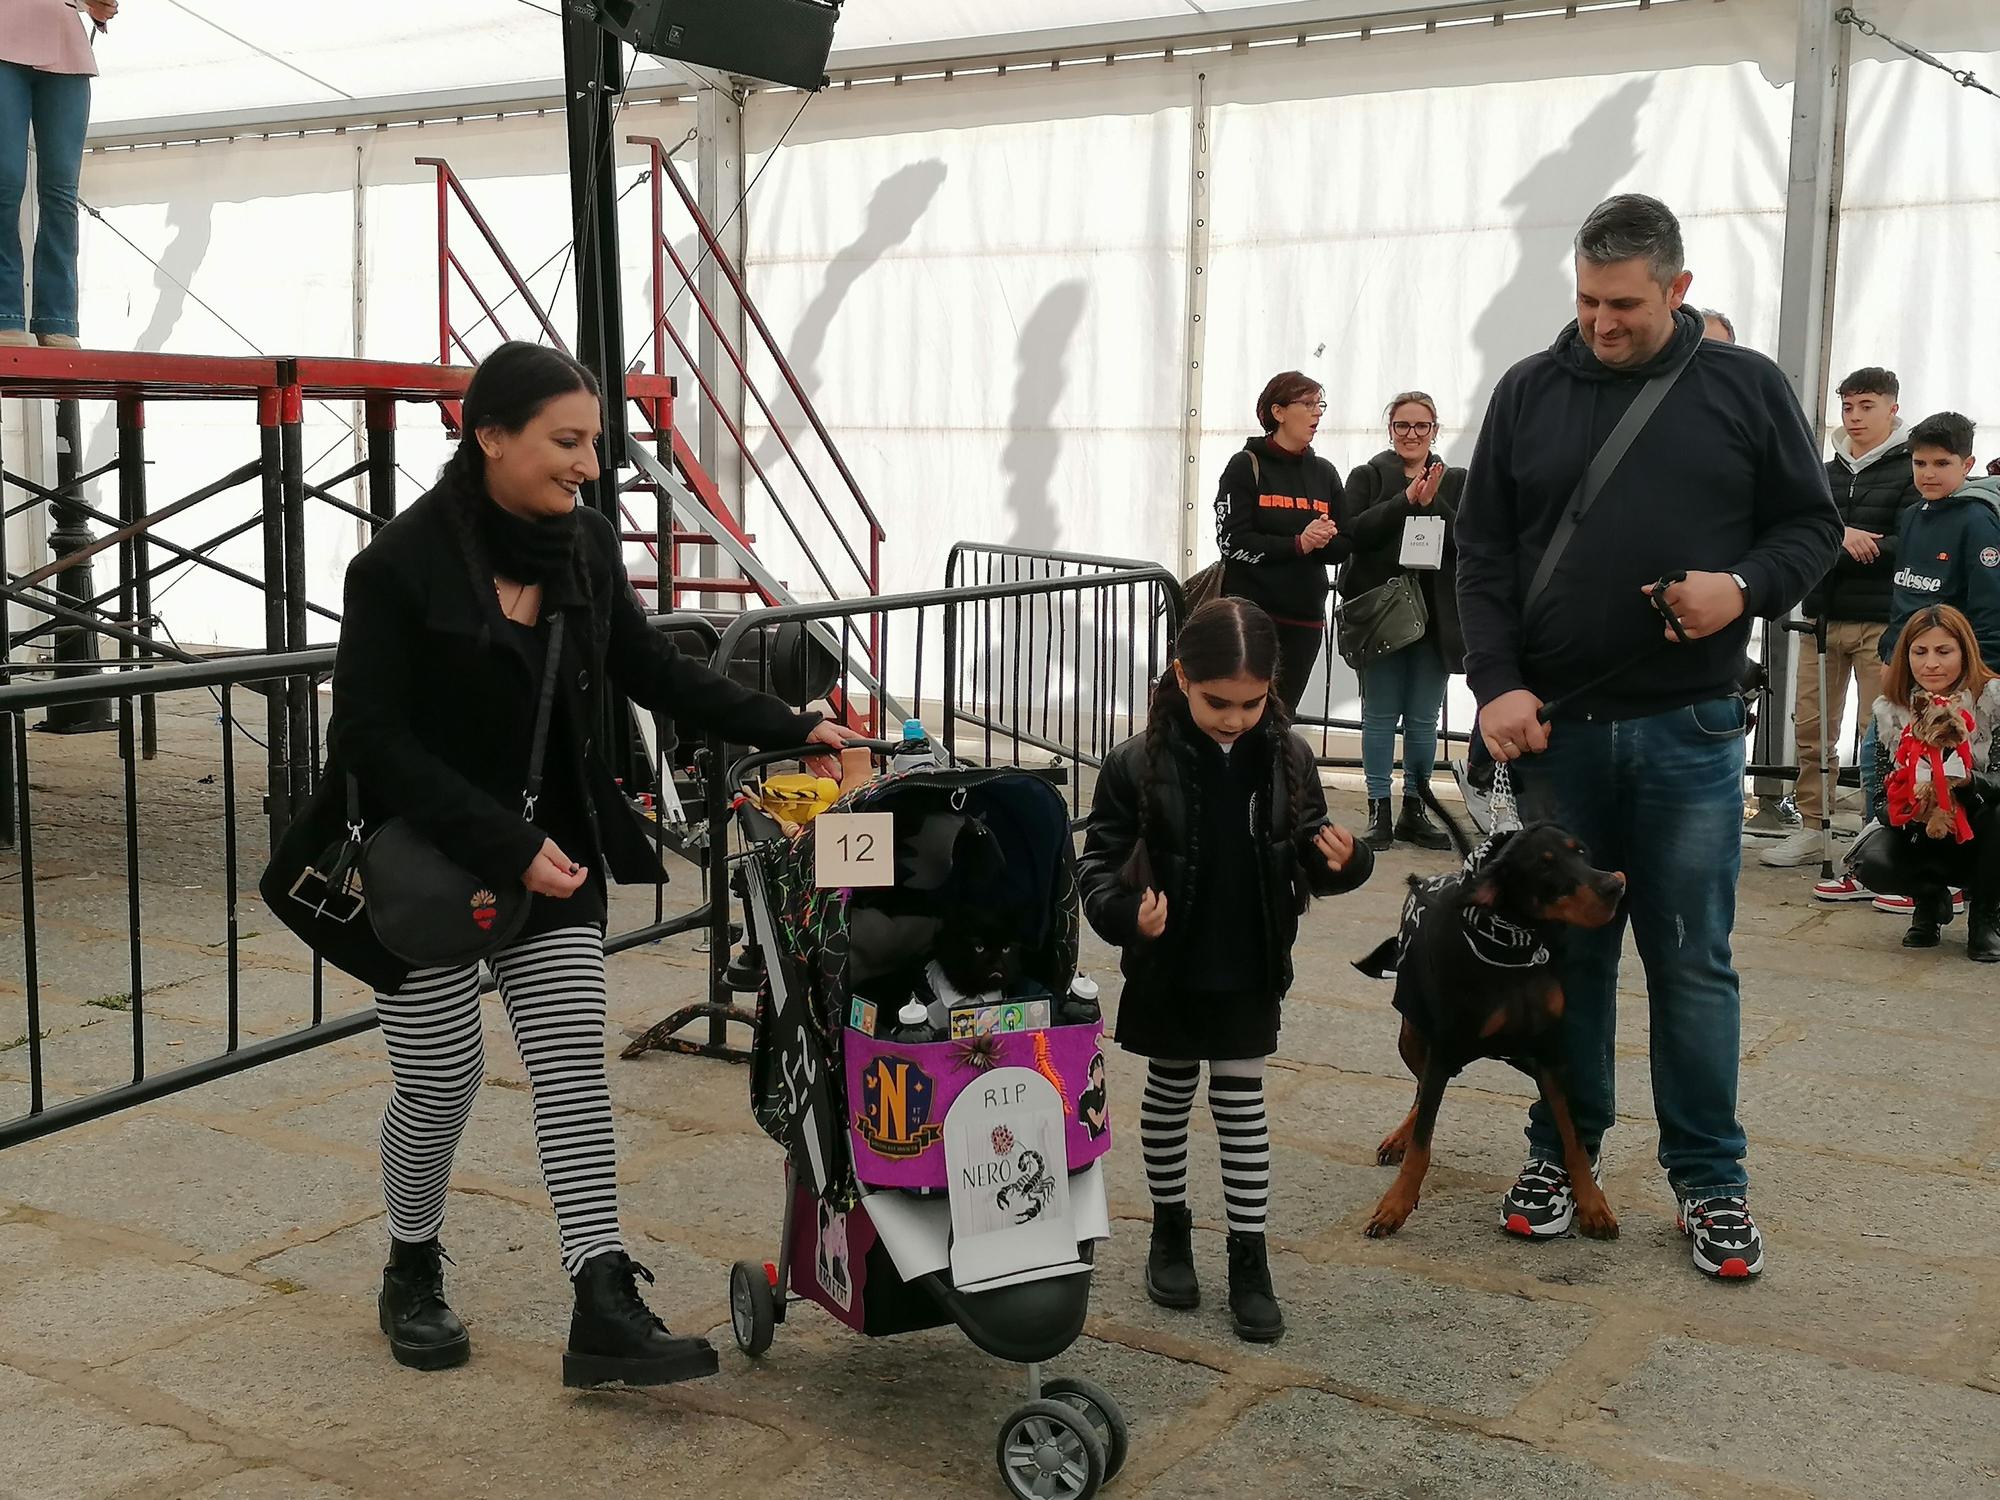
x: 780, y: 41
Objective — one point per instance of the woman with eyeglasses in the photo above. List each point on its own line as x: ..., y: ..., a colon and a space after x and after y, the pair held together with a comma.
x: 1397, y: 513
x: 1274, y: 522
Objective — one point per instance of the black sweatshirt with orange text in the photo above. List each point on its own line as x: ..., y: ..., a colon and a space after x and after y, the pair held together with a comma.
x: 1261, y: 512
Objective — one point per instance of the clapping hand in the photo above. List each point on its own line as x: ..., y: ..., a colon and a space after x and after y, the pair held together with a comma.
x: 1317, y: 534
x: 1424, y: 488
x: 1152, y: 915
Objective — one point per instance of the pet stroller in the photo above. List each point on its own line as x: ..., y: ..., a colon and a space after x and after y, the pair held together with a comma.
x: 932, y: 1179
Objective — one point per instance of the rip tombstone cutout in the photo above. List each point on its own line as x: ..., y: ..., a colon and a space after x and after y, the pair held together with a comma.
x: 1009, y: 1173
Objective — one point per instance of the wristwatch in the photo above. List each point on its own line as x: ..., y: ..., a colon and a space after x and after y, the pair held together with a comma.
x: 1738, y: 580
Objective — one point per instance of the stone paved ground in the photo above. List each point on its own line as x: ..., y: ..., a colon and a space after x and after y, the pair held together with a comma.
x: 186, y: 1307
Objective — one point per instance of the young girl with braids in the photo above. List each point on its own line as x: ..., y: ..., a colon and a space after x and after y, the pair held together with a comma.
x: 444, y: 643
x: 1207, y: 837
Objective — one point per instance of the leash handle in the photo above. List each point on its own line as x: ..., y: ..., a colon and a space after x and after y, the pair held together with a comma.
x: 1658, y: 599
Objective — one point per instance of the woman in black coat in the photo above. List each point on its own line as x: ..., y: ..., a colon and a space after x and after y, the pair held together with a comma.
x: 443, y: 648
x: 1404, y: 488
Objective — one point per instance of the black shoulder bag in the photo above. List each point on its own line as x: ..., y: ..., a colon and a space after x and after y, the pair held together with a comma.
x: 425, y: 908
x: 1591, y: 482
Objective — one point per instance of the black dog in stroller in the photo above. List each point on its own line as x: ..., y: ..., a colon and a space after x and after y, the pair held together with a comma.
x: 930, y: 1060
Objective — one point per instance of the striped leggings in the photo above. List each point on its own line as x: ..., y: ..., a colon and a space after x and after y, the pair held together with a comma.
x: 553, y: 987
x: 1236, y: 1098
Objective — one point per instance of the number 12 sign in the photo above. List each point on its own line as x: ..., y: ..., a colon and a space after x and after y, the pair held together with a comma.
x: 854, y: 850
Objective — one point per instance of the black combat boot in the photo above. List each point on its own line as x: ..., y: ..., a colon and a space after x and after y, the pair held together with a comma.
x: 614, y: 1337
x: 1170, y: 1278
x: 1253, y: 1306
x: 1928, y: 918
x: 1381, y: 834
x: 1982, y: 920
x: 424, y: 1333
x: 1415, y: 827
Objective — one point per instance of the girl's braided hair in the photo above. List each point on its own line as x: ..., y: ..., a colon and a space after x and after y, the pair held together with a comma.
x: 1223, y: 638
x: 508, y: 390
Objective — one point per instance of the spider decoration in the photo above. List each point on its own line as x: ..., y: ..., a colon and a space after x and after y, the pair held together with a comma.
x: 978, y: 1053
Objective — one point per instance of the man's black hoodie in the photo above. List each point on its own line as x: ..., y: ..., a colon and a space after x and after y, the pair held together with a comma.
x: 1725, y: 478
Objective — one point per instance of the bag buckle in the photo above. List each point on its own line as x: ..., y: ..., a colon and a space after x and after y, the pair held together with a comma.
x: 338, y: 903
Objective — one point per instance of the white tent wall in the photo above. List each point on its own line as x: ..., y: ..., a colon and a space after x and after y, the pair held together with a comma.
x: 1918, y: 287
x: 981, y: 280
x: 241, y: 247
x: 980, y: 288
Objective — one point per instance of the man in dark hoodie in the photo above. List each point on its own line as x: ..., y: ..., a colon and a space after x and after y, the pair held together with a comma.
x: 1644, y: 758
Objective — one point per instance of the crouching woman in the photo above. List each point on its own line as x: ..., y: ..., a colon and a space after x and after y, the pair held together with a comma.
x: 1938, y: 760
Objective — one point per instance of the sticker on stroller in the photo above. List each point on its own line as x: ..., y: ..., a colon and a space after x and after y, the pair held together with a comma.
x: 854, y: 851
x: 897, y: 1099
x: 1093, y: 1105
x: 1004, y: 1144
x: 830, y: 1258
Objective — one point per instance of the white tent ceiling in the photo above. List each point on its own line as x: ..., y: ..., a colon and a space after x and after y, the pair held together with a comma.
x: 184, y: 59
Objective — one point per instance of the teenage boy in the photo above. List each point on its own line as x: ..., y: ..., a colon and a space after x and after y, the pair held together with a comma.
x: 1872, y: 487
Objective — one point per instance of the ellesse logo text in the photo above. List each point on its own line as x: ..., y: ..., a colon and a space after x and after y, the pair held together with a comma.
x: 1905, y: 579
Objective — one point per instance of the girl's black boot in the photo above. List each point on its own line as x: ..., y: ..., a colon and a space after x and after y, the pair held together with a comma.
x: 1170, y: 1278
x: 1253, y: 1305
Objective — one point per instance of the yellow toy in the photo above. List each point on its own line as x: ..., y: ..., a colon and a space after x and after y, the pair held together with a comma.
x: 798, y: 798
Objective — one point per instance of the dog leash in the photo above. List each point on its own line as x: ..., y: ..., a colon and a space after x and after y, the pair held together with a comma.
x: 1506, y: 809
x: 1658, y: 599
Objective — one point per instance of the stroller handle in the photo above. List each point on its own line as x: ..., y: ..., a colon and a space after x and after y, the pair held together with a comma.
x: 757, y: 760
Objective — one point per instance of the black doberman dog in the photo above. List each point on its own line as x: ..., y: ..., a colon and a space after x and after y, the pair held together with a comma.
x: 1474, y: 963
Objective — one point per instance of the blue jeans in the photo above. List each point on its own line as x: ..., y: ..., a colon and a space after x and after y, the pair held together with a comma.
x: 1660, y: 798
x: 57, y: 105
x: 1405, y: 687
x: 1876, y: 804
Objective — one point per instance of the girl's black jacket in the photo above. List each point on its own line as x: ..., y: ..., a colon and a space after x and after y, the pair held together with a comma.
x: 434, y: 709
x: 1285, y: 869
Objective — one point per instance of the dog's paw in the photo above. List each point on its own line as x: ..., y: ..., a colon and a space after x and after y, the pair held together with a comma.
x: 1388, y: 1217
x: 1596, y: 1220
x: 1392, y: 1151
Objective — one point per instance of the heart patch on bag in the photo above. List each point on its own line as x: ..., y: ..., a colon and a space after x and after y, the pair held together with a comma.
x: 485, y: 909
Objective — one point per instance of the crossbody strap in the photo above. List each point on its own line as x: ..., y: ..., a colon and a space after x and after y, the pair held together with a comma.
x: 537, y: 750
x: 1591, y: 483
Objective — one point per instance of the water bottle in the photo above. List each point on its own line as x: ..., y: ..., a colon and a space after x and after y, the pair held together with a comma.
x: 913, y: 1023
x: 918, y: 752
x: 1079, y: 1007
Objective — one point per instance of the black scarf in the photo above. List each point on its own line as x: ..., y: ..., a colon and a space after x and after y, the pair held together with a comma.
x: 527, y: 551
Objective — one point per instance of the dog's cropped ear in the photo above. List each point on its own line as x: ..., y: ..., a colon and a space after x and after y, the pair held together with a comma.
x: 1483, y: 891
x: 1380, y: 964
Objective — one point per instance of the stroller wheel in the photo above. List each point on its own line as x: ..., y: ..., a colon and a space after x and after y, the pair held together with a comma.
x: 1048, y: 1450
x: 1101, y: 1411
x: 752, y: 1308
